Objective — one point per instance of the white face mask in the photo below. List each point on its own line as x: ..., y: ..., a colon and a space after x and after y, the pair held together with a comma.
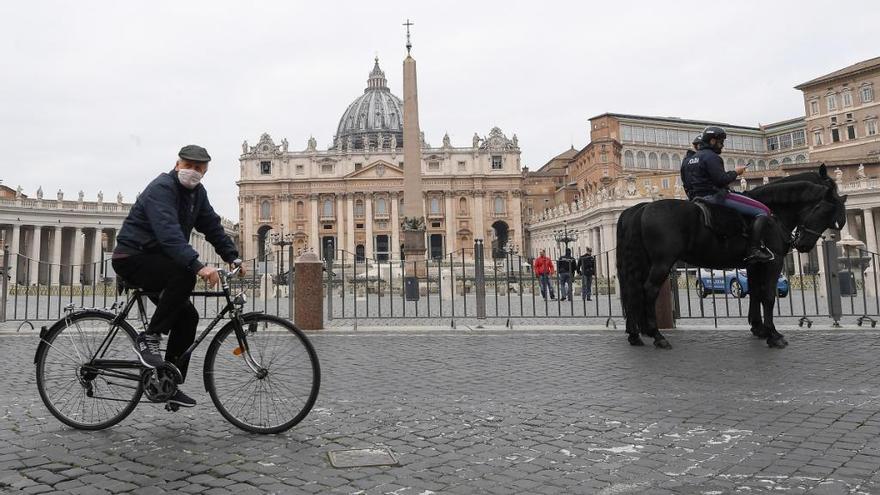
x: 189, y: 178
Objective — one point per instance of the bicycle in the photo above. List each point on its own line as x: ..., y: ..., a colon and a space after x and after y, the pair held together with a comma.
x: 89, y: 379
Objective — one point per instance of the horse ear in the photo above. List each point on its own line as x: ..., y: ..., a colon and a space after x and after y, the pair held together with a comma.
x: 823, y: 171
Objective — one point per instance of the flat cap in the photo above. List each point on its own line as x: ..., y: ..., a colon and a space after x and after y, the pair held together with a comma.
x: 194, y: 153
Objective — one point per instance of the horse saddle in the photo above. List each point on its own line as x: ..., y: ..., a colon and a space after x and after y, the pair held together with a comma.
x: 725, y: 222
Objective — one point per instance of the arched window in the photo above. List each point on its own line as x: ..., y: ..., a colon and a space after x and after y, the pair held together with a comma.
x: 676, y: 161
x: 435, y: 206
x: 328, y: 209
x: 300, y: 207
x: 664, y: 161
x: 652, y: 161
x: 762, y: 165
x: 786, y: 160
x: 381, y: 207
x: 740, y: 162
x: 499, y: 204
x: 628, y: 159
x: 265, y: 210
x: 800, y: 159
x: 359, y: 208
x: 641, y: 162
x: 462, y: 206
x: 774, y: 164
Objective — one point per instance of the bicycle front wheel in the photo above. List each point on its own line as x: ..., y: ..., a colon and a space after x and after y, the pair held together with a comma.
x: 86, y: 374
x: 280, y: 392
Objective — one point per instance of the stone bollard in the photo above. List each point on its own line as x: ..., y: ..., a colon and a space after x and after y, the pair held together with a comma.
x: 308, y: 293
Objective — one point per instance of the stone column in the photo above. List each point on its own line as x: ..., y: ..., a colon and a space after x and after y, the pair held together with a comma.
x: 450, y: 221
x: 13, y: 253
x: 516, y: 214
x: 77, y: 259
x: 395, y: 227
x: 248, y: 242
x: 820, y: 277
x: 314, y: 240
x: 349, y: 222
x: 34, y: 255
x: 368, y: 225
x: 871, y: 246
x: 479, y: 229
x: 308, y: 311
x: 55, y: 257
x: 285, y: 212
x: 95, y: 267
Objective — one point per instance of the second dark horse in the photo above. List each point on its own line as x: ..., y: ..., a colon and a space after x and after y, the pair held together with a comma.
x: 651, y: 237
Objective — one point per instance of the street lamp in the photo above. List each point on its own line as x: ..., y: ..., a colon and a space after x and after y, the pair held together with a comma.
x: 565, y: 236
x: 281, y: 239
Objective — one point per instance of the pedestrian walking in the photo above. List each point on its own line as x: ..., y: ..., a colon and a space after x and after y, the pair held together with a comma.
x: 586, y: 266
x: 544, y: 269
x: 566, y: 266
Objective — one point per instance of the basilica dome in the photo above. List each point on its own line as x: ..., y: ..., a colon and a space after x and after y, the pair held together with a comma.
x: 374, y: 119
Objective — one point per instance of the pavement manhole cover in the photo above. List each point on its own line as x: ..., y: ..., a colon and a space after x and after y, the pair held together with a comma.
x: 361, y: 458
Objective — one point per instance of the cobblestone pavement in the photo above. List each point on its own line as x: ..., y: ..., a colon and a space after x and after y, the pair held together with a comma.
x: 495, y: 412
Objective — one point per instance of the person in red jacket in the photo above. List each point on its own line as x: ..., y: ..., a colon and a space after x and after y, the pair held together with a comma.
x: 544, y: 269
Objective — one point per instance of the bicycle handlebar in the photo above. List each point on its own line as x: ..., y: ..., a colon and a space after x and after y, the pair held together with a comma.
x: 226, y: 275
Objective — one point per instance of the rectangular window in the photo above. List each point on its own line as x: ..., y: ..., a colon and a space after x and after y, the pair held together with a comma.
x: 849, y: 116
x: 497, y: 163
x: 871, y: 127
x: 665, y: 183
x: 831, y: 100
x: 867, y: 94
x: 835, y: 135
x: 358, y: 166
x: 833, y: 120
x: 433, y: 165
x: 817, y: 138
x: 300, y: 170
x: 785, y: 141
x: 462, y: 166
x: 850, y: 132
x: 638, y: 134
x: 327, y: 168
x: 749, y: 143
x: 650, y: 135
x: 358, y: 225
x: 847, y: 99
x: 661, y: 136
x: 737, y: 142
x: 799, y: 138
x: 773, y: 143
x: 265, y: 168
x: 626, y: 132
x: 814, y: 107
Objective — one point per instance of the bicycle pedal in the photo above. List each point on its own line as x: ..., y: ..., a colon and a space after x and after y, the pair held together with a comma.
x: 171, y: 407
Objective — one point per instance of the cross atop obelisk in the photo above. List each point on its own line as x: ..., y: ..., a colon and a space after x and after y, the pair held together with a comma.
x: 408, y: 43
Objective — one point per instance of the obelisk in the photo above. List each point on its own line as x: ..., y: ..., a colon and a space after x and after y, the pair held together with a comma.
x: 413, y: 205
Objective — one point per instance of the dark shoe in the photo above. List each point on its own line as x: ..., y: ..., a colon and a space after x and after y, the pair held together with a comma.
x: 757, y: 253
x: 562, y: 298
x: 182, y: 400
x: 146, y: 346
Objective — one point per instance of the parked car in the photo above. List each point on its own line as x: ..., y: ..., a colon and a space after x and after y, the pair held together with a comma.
x: 733, y: 282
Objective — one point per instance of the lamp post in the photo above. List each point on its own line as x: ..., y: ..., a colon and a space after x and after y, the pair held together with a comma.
x: 281, y: 239
x: 565, y: 236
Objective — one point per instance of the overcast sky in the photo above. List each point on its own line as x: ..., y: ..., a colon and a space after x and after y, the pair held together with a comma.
x: 100, y: 95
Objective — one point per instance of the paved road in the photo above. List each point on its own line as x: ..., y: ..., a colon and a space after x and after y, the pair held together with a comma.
x: 515, y: 412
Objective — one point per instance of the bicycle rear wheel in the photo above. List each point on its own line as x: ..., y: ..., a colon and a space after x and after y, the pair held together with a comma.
x: 78, y: 392
x: 271, y: 401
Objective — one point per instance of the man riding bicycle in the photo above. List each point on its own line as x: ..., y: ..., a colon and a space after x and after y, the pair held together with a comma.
x: 153, y: 253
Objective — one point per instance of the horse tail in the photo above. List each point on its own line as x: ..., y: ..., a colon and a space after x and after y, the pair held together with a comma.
x: 632, y: 268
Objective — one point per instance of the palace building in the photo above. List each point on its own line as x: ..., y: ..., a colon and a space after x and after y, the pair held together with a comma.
x: 348, y: 198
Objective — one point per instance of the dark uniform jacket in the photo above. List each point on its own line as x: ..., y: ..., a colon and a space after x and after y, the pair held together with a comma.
x: 566, y: 264
x: 703, y: 174
x: 687, y: 156
x: 586, y: 264
x: 162, y: 219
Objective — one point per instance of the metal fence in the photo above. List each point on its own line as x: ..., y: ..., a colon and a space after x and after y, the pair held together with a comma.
x: 475, y: 284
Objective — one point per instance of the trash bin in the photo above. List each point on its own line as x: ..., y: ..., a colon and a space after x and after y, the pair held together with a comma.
x: 411, y: 288
x: 847, y: 283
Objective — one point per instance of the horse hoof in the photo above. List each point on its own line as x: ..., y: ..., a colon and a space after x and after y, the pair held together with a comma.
x: 778, y: 343
x: 761, y: 333
x: 662, y: 344
x: 635, y: 340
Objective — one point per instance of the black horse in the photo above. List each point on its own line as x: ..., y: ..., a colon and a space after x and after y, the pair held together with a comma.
x: 651, y: 237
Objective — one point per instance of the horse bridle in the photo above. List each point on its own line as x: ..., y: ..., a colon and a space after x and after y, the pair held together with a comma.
x: 800, y: 228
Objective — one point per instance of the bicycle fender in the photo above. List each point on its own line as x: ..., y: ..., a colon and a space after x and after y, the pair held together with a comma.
x: 44, y: 331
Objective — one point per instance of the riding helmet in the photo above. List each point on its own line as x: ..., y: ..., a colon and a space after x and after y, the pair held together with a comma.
x: 697, y: 140
x: 713, y: 132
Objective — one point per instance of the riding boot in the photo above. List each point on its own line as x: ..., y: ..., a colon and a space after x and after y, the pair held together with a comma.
x: 756, y: 252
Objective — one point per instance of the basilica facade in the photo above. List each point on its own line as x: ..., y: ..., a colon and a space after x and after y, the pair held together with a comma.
x: 347, y: 200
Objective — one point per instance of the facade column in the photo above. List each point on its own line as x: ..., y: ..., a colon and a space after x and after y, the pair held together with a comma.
x: 314, y: 241
x: 285, y: 212
x: 34, y: 255
x: 95, y: 268
x: 349, y: 222
x: 55, y: 257
x: 608, y: 246
x: 518, y: 220
x: 248, y: 242
x: 871, y: 246
x: 479, y: 230
x: 340, y: 224
x: 395, y: 227
x: 77, y: 259
x: 450, y: 222
x: 368, y: 225
x: 13, y: 253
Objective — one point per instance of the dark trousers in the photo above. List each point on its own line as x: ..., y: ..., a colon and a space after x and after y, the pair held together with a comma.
x: 565, y: 285
x: 587, y: 286
x: 175, y: 315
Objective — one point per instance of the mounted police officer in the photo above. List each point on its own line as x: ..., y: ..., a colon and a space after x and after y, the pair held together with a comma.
x: 153, y: 252
x: 704, y: 178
